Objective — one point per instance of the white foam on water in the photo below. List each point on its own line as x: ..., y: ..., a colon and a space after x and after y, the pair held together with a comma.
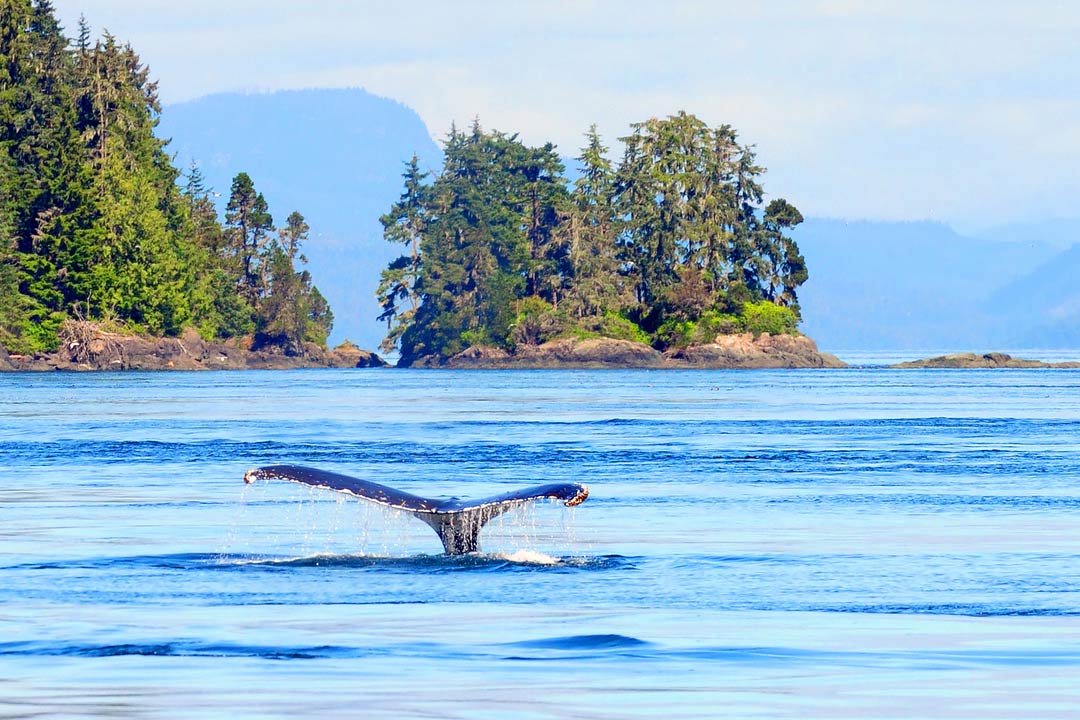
x: 529, y: 557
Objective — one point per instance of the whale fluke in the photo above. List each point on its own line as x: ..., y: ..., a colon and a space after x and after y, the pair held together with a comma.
x: 457, y: 522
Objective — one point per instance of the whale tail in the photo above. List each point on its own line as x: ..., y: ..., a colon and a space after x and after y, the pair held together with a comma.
x: 457, y: 522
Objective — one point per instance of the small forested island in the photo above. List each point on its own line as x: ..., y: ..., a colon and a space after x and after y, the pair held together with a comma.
x: 106, y: 249
x: 669, y: 258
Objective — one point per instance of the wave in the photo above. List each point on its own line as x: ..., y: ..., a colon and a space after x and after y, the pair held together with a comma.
x: 179, y: 648
x: 583, y: 642
x: 574, y: 649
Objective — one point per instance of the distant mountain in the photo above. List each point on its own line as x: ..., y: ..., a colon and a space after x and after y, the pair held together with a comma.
x: 1056, y: 232
x: 1042, y: 308
x: 909, y: 285
x: 336, y: 156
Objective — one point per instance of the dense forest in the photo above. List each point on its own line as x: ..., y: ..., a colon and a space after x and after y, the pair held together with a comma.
x: 97, y: 224
x: 672, y: 246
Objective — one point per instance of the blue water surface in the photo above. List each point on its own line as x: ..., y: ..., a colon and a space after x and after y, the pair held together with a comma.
x: 862, y: 543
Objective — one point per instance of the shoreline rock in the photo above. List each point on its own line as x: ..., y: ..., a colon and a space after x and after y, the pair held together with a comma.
x: 764, y: 351
x: 728, y: 352
x: 5, y: 360
x: 97, y: 350
x: 974, y: 361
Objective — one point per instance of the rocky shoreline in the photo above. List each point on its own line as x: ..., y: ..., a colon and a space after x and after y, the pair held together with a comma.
x: 101, y: 350
x: 973, y: 361
x: 97, y: 350
x: 728, y: 352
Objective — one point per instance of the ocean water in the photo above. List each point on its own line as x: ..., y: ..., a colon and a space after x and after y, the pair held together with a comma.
x: 861, y: 543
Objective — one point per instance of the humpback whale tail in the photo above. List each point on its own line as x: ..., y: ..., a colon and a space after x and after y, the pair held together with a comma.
x: 457, y: 522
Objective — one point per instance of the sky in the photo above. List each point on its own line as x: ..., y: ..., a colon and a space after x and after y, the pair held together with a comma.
x: 962, y: 112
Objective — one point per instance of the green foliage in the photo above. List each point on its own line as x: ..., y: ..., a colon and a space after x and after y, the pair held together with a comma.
x: 478, y: 336
x: 405, y: 223
x: 535, y: 322
x: 610, y: 325
x: 290, y: 311
x: 26, y: 327
x: 248, y: 226
x: 318, y: 317
x: 766, y: 317
x: 92, y: 222
x: 675, y: 333
x: 40, y: 332
x: 680, y: 333
x: 595, y: 284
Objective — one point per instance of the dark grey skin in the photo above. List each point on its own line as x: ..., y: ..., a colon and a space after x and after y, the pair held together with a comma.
x: 457, y: 522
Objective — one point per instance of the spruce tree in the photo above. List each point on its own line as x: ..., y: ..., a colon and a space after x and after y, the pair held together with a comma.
x: 291, y: 311
x: 595, y: 284
x: 399, y: 282
x: 249, y: 224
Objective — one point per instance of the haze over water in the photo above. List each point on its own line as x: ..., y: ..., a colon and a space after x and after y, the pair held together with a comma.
x: 862, y: 543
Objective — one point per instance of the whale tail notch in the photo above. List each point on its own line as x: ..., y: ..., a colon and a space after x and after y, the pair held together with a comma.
x: 457, y: 522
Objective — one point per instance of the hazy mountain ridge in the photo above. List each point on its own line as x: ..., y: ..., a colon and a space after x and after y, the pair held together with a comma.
x: 1060, y: 232
x: 1045, y: 303
x: 878, y: 285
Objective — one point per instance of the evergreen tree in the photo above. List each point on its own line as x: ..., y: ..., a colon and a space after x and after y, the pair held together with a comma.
x: 320, y: 318
x: 218, y: 310
x: 545, y: 210
x: 748, y: 193
x: 596, y: 286
x: 82, y: 40
x: 249, y: 224
x: 782, y: 265
x: 404, y: 223
x: 293, y: 311
x: 204, y: 227
x: 44, y: 195
x: 139, y: 270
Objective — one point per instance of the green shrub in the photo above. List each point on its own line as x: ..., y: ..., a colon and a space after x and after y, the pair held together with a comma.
x: 469, y: 338
x: 766, y: 317
x: 713, y: 323
x: 610, y: 325
x: 535, y: 322
x: 613, y: 325
x: 40, y: 335
x: 680, y: 333
x: 675, y: 333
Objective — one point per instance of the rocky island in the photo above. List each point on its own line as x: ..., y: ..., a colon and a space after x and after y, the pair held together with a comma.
x: 667, y: 259
x: 989, y: 361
